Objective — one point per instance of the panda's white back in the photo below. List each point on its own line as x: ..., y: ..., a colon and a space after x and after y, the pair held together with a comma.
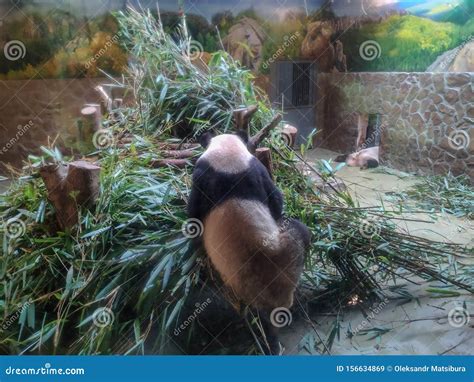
x: 227, y: 153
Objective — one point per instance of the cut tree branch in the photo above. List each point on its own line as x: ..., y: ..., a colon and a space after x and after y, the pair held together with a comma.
x: 243, y: 116
x: 264, y: 155
x: 71, y: 186
x: 256, y: 139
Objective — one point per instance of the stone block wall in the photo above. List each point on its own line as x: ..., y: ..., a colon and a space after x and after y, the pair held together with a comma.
x: 427, y: 118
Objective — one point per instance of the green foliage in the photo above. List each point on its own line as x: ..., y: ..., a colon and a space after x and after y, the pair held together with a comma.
x: 408, y: 43
x: 180, y: 93
x: 223, y: 21
x: 59, y: 44
x: 453, y: 195
x: 285, y: 42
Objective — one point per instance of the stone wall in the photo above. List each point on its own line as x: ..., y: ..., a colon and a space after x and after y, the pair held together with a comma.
x: 35, y: 111
x: 427, y: 118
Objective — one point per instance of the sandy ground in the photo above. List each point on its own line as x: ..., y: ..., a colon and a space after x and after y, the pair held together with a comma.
x: 368, y: 187
x: 419, y: 326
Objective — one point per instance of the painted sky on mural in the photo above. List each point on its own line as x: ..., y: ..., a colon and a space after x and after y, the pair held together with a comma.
x: 278, y: 8
x: 266, y: 8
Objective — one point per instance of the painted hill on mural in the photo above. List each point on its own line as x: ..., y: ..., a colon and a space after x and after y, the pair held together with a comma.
x: 405, y: 43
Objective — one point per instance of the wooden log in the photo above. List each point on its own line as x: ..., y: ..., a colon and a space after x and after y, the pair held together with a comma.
x: 178, y: 154
x: 71, y: 186
x: 179, y: 146
x: 127, y: 138
x: 243, y: 116
x: 91, y: 119
x: 255, y: 140
x: 89, y: 124
x: 106, y: 99
x: 179, y: 163
x: 117, y: 103
x: 264, y: 155
x: 96, y: 105
x: 289, y: 134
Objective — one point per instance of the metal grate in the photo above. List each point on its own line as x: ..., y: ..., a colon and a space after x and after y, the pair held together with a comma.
x: 373, y: 133
x: 300, y: 92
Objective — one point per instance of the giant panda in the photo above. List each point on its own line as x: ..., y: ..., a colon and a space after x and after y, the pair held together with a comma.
x: 257, y: 252
x: 365, y: 158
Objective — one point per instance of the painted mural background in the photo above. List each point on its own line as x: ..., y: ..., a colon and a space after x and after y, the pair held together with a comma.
x: 78, y: 38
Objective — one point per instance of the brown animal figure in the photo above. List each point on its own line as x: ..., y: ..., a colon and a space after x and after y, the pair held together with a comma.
x: 318, y: 47
x: 341, y: 61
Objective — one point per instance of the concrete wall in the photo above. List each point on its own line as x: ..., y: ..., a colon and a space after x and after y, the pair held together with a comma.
x: 427, y: 118
x: 33, y: 111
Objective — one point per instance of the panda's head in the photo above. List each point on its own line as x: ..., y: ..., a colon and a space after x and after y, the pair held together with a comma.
x: 226, y: 152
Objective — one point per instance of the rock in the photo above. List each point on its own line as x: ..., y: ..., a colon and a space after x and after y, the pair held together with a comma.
x: 467, y: 94
x: 435, y: 119
x: 243, y: 36
x: 438, y: 81
x: 417, y: 122
x: 458, y: 167
x: 437, y: 99
x: 464, y: 61
x: 456, y: 80
x: 340, y: 57
x: 415, y: 105
x: 451, y: 96
x: 435, y: 152
x: 459, y: 59
x: 422, y: 94
x: 412, y: 94
x: 445, y: 109
x: 470, y: 112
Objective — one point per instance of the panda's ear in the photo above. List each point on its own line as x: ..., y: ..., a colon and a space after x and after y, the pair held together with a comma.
x: 372, y: 163
x: 242, y: 134
x: 341, y: 158
x: 205, y: 139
